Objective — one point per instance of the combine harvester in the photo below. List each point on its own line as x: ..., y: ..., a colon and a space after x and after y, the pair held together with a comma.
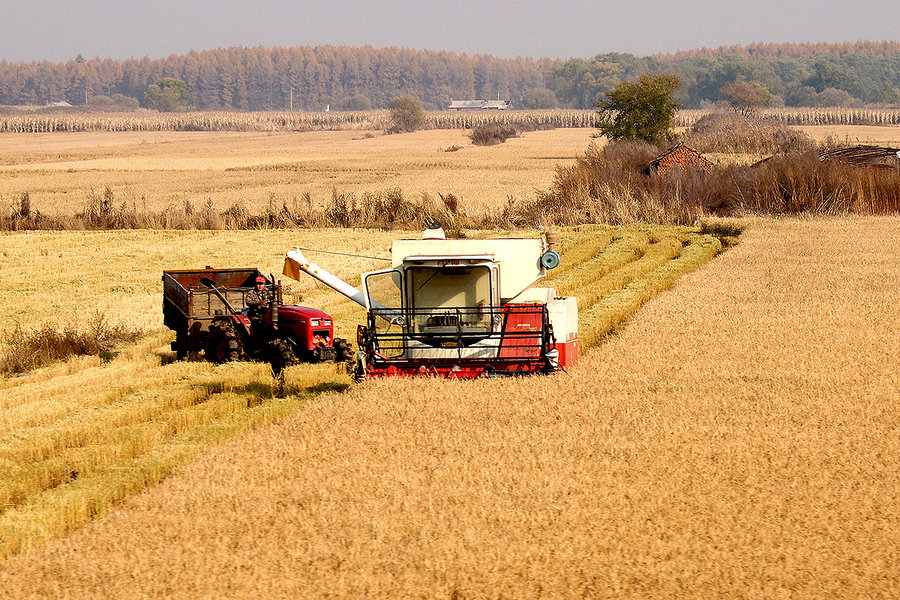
x: 459, y: 308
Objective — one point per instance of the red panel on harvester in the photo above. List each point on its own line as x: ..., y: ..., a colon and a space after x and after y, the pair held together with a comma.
x: 568, y: 353
x: 522, y: 331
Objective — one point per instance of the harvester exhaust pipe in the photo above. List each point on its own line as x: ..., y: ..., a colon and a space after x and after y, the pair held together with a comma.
x: 273, y: 303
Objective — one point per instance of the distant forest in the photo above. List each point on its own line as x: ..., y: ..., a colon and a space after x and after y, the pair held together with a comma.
x: 348, y: 78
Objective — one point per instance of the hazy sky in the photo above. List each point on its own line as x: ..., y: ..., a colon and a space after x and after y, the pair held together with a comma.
x: 58, y: 30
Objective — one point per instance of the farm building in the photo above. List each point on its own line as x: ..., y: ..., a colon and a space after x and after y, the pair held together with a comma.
x: 678, y: 156
x: 864, y: 156
x: 479, y: 105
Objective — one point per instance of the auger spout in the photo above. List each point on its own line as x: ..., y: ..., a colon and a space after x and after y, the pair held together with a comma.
x: 295, y: 263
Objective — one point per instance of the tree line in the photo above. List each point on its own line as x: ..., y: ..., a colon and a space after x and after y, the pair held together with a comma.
x: 348, y: 78
x: 302, y: 78
x: 792, y: 74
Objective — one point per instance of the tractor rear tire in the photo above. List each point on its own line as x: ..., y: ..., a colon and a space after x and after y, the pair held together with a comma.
x: 281, y: 356
x: 222, y: 344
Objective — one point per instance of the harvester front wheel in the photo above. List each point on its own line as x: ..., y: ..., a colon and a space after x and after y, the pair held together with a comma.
x: 222, y: 344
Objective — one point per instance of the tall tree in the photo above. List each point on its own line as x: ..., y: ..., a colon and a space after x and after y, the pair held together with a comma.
x: 746, y: 96
x: 640, y: 110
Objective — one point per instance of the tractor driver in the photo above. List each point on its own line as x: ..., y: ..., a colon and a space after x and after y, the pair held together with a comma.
x: 257, y: 303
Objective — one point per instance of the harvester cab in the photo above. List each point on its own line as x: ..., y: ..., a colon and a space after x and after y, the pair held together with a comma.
x: 459, y: 308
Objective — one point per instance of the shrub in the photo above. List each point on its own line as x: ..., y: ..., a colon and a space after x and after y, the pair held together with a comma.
x: 489, y: 134
x: 358, y: 102
x: 167, y: 95
x: 611, y: 186
x: 539, y: 98
x: 30, y: 349
x: 407, y: 114
x: 729, y: 132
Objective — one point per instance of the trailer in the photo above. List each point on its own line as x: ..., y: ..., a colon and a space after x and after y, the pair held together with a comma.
x: 459, y: 308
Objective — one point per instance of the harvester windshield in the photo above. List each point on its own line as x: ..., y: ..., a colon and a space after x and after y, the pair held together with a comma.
x: 448, y: 287
x: 450, y: 296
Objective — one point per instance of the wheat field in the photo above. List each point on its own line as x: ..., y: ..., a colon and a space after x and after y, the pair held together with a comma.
x: 737, y: 438
x: 78, y: 437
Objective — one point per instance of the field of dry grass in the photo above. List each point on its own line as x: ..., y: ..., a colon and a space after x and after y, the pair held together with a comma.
x: 64, y: 173
x: 738, y: 438
x: 156, y: 170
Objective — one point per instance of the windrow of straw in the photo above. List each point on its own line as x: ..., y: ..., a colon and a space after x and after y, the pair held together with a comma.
x: 604, y: 316
x: 69, y: 465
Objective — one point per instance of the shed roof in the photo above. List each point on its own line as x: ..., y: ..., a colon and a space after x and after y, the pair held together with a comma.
x: 680, y: 146
x: 864, y: 156
x: 479, y: 104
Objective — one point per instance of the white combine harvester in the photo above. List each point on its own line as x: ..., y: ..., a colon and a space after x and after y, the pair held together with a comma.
x: 459, y: 308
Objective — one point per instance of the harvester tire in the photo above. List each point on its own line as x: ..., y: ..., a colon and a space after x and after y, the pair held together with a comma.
x: 281, y: 356
x: 222, y: 344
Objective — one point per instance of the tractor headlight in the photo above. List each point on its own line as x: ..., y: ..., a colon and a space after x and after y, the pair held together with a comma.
x: 314, y: 322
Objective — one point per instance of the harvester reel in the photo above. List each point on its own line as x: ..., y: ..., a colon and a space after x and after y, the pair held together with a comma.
x: 222, y: 344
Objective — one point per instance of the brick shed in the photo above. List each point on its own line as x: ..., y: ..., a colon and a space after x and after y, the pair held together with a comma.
x: 681, y: 156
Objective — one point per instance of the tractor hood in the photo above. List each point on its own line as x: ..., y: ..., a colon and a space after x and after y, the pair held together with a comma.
x: 293, y: 312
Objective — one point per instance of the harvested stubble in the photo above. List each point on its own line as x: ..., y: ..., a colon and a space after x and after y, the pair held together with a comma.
x: 738, y: 439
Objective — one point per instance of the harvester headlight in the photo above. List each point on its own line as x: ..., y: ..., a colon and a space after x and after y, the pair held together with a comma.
x: 314, y: 322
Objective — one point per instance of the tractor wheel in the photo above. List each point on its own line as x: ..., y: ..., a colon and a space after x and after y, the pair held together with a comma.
x: 222, y: 344
x: 281, y: 356
x: 343, y: 349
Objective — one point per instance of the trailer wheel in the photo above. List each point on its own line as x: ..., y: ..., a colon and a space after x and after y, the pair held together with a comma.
x: 222, y: 344
x: 281, y: 356
x: 180, y: 347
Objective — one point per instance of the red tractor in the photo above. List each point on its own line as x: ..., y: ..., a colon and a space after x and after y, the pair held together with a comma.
x: 208, y: 311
